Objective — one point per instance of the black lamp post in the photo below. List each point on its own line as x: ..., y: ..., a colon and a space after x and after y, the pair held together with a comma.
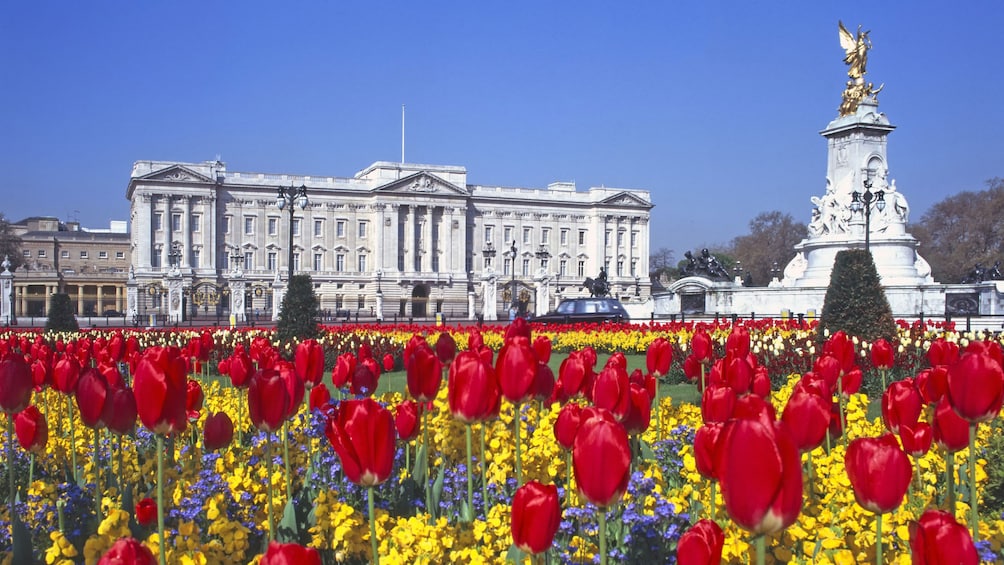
x: 291, y: 197
x: 512, y: 296
x: 864, y: 202
x: 379, y: 275
x: 637, y: 285
x: 775, y: 271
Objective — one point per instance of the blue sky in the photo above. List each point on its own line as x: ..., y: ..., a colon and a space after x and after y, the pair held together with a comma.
x: 715, y: 107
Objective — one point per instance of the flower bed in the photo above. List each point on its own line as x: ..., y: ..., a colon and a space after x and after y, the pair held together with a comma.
x: 280, y: 476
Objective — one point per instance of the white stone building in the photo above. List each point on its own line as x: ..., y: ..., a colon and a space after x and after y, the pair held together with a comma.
x: 418, y: 235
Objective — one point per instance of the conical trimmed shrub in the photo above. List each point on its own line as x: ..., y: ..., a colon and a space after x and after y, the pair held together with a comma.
x: 855, y: 301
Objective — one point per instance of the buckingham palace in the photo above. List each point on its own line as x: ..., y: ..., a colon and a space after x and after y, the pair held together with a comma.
x: 395, y: 240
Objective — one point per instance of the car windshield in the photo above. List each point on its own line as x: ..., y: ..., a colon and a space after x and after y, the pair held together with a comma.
x: 566, y: 308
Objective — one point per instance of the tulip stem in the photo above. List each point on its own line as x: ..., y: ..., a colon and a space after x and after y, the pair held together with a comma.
x: 702, y: 378
x: 714, y: 483
x: 470, y: 477
x: 285, y: 457
x: 73, y: 442
x: 515, y: 431
x: 10, y: 470
x: 974, y: 515
x: 97, y: 475
x: 568, y: 469
x: 484, y: 472
x: 373, y: 538
x: 840, y: 403
x: 883, y: 371
x: 658, y: 410
x: 161, y: 543
x: 268, y: 481
x: 878, y: 538
x: 31, y: 468
x: 428, y: 470
x: 761, y: 549
x: 950, y: 472
x: 121, y: 474
x: 602, y: 517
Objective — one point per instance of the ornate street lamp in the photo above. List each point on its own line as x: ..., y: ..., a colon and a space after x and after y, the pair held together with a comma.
x: 236, y: 257
x: 290, y: 197
x: 864, y: 202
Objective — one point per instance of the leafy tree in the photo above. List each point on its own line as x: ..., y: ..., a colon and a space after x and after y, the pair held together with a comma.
x: 855, y: 301
x: 300, y: 310
x: 10, y: 244
x: 963, y: 230
x: 771, y: 241
x: 61, y: 318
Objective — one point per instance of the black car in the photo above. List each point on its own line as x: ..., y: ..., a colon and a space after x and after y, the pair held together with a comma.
x: 572, y: 310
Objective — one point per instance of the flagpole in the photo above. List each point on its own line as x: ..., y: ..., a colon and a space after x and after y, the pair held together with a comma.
x: 402, y: 133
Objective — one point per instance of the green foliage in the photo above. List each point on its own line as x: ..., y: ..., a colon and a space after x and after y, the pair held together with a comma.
x: 770, y: 243
x: 855, y: 301
x: 10, y: 244
x: 61, y: 318
x: 300, y: 310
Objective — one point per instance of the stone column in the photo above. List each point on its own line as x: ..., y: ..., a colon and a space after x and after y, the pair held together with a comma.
x: 379, y: 305
x: 411, y: 240
x: 425, y: 260
x: 6, y: 289
x: 80, y: 300
x: 132, y: 297
x: 100, y: 308
x: 237, y: 286
x: 186, y: 231
x: 471, y: 315
x: 174, y: 298
x: 278, y: 293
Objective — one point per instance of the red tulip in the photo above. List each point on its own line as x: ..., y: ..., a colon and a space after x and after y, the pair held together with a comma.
x: 295, y: 390
x: 738, y: 342
x: 267, y: 400
x: 241, y: 368
x: 92, y: 392
x: 951, y: 432
x: 701, y: 545
x: 406, y: 420
x: 738, y: 373
x: 31, y: 429
x: 692, y: 368
x: 542, y: 349
x: 121, y: 414
x: 706, y: 444
x: 701, y: 346
x: 309, y: 362
x: 639, y: 414
x: 472, y: 391
x: 116, y: 347
x: 160, y: 387
x: 218, y: 432
x: 128, y: 551
x: 15, y: 384
x: 289, y: 554
x: 942, y: 352
x: 320, y: 399
x: 146, y: 512
x: 916, y: 438
x: 879, y: 472
x: 761, y: 382
x: 536, y: 515
x: 883, y: 356
x: 850, y: 382
x: 808, y: 418
x: 760, y: 469
x: 901, y: 404
x: 345, y: 366
x: 841, y: 347
x: 362, y: 434
x: 566, y: 425
x: 194, y: 398
x: 424, y: 372
x: 717, y: 403
x: 937, y: 538
x: 516, y: 368
x: 111, y: 372
x: 574, y: 374
x: 601, y: 458
x: 659, y: 357
x: 976, y: 387
x: 519, y: 327
x: 388, y: 362
x: 364, y: 381
x: 446, y: 348
x: 612, y: 392
x: 543, y: 382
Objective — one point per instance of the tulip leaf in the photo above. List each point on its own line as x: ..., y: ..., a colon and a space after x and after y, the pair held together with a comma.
x: 437, y: 487
x: 421, y: 469
x: 815, y: 550
x: 22, y: 542
x: 647, y: 453
x: 129, y: 506
x: 286, y: 530
x: 515, y: 555
x: 466, y: 512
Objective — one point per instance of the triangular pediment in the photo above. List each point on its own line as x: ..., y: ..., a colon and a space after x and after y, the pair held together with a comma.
x: 177, y: 173
x: 422, y: 183
x: 625, y: 199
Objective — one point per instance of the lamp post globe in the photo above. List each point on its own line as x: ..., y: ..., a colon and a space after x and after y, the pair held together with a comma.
x: 290, y: 197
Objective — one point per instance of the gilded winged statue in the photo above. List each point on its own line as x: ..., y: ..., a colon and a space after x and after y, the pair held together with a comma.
x: 856, y: 58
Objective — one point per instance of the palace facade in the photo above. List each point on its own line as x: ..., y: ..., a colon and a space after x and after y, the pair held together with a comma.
x: 418, y: 236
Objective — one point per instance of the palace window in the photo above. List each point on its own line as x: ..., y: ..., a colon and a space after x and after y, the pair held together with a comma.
x: 83, y: 255
x: 582, y: 269
x: 545, y: 236
x: 488, y: 232
x: 318, y: 228
x: 175, y: 222
x: 582, y: 237
x: 102, y: 254
x: 249, y: 225
x: 362, y: 263
x: 196, y: 255
x: 563, y: 268
x: 226, y: 224
x: 620, y: 238
x: 507, y: 234
x: 41, y: 253
x: 317, y: 261
x: 564, y: 237
x: 606, y: 238
x: 527, y: 236
x: 526, y: 267
x: 634, y: 239
x: 362, y: 229
x: 273, y: 226
x: 296, y: 227
x: 620, y: 268
x: 64, y: 254
x: 296, y: 261
x: 196, y: 222
x: 340, y: 228
x: 340, y: 262
x: 271, y: 260
x: 248, y: 260
x: 120, y: 254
